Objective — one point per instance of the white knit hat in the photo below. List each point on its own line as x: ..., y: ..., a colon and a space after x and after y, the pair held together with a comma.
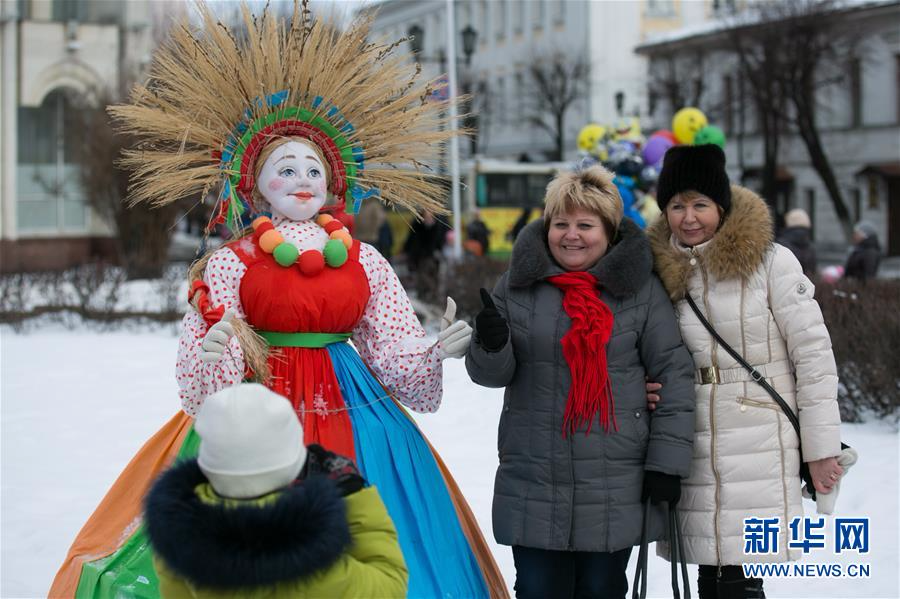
x: 797, y: 218
x: 251, y: 441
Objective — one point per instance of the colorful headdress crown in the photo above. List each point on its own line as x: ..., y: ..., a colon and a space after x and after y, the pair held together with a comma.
x: 216, y: 97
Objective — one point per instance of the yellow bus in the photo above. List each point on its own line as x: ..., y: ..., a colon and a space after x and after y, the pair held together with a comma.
x: 500, y: 191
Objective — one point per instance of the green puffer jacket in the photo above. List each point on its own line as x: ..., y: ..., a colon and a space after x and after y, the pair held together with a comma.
x: 304, y: 541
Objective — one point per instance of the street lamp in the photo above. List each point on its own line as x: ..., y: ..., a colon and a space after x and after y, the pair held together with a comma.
x: 417, y: 43
x: 469, y: 37
x: 416, y: 33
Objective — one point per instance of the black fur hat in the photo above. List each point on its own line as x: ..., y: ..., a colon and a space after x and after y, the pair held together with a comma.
x: 697, y: 168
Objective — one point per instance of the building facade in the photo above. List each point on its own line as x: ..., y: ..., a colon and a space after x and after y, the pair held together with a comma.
x: 514, y: 34
x: 510, y: 35
x: 618, y: 87
x: 52, y: 51
x: 859, y: 122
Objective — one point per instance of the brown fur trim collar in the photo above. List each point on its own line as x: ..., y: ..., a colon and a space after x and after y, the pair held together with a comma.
x: 736, y: 250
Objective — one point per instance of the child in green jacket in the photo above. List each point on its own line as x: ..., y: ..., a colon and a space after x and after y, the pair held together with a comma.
x: 258, y: 514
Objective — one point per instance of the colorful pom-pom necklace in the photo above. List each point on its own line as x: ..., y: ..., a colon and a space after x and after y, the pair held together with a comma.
x: 310, y: 262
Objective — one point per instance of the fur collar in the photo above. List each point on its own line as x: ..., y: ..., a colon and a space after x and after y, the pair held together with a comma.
x: 624, y: 269
x: 302, y: 532
x: 736, y: 250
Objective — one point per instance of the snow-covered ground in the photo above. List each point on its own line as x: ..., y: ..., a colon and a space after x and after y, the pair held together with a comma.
x: 76, y: 405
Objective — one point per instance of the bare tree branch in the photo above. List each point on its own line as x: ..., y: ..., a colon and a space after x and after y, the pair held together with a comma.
x: 790, y: 53
x: 555, y: 83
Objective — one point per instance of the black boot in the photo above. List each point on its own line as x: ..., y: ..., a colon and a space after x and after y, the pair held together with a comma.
x: 706, y: 582
x: 732, y: 584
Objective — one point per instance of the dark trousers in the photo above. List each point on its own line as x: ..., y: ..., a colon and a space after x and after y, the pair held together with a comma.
x: 544, y: 574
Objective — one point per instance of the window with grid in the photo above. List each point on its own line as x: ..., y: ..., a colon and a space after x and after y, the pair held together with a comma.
x: 897, y: 84
x: 48, y: 187
x: 856, y: 92
x: 538, y: 13
x: 660, y: 8
x: 810, y: 194
x: 500, y: 18
x: 520, y: 94
x: 728, y: 103
x: 518, y: 16
x: 559, y: 11
x: 484, y: 16
x: 500, y: 101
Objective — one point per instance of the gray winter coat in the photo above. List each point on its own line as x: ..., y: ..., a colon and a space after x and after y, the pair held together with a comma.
x: 583, y: 493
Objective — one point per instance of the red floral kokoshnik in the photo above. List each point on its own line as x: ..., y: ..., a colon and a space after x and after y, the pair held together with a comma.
x: 584, y: 348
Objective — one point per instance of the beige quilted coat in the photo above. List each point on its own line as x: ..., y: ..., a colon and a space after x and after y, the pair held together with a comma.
x: 746, y: 457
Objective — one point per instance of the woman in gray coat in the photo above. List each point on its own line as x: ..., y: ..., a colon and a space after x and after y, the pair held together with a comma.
x: 571, y: 330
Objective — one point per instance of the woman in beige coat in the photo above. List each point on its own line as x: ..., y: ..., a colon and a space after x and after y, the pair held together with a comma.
x: 716, y: 245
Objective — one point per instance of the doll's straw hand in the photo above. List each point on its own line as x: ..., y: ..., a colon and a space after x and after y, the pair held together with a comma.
x: 455, y: 335
x: 449, y: 314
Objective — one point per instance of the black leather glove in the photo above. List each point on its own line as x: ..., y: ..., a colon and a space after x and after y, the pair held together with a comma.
x: 661, y: 487
x: 342, y: 471
x: 493, y: 332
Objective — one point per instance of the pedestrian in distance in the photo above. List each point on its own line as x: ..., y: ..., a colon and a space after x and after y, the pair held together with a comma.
x: 865, y: 255
x: 520, y: 223
x: 371, y: 218
x: 797, y: 237
x: 478, y: 236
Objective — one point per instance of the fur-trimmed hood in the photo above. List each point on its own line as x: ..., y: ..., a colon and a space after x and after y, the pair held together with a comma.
x: 736, y: 250
x: 303, y: 531
x: 623, y: 270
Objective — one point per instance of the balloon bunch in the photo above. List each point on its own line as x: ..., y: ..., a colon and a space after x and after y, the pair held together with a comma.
x: 618, y: 148
x: 689, y: 126
x: 603, y: 143
x: 636, y: 161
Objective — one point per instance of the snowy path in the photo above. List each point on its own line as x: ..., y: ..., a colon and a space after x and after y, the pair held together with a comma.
x: 77, y: 405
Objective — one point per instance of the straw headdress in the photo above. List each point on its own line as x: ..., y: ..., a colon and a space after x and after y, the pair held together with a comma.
x: 216, y: 95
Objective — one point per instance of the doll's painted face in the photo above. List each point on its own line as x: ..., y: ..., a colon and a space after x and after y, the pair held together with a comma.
x: 293, y: 181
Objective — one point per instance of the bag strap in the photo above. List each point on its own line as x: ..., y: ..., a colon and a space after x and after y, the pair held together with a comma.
x: 759, y: 378
x: 676, y: 557
x: 639, y: 584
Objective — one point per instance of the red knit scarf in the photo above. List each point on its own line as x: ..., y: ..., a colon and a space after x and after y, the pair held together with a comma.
x: 584, y: 348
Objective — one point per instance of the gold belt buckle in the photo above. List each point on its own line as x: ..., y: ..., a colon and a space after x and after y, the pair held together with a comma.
x: 709, y: 376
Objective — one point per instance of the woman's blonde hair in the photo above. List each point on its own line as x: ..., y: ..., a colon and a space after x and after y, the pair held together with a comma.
x: 591, y: 189
x: 259, y: 202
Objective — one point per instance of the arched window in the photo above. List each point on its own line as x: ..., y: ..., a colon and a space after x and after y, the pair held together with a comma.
x: 49, y: 192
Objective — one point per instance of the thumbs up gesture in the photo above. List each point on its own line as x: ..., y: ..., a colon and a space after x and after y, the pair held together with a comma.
x: 493, y: 331
x: 455, y: 335
x: 216, y: 340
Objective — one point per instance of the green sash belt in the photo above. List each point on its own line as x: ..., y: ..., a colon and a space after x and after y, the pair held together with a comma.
x: 275, y: 339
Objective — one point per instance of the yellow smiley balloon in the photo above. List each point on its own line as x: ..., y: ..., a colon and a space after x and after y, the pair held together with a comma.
x: 589, y: 136
x: 686, y: 123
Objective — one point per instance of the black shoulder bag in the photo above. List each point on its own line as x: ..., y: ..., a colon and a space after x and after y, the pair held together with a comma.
x: 760, y: 379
